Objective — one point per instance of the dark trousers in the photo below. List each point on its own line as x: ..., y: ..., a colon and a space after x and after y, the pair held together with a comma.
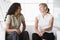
x: 15, y: 36
x: 46, y: 36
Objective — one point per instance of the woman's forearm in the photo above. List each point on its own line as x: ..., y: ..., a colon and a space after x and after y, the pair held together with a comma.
x: 36, y: 28
x: 51, y: 25
x: 48, y: 29
x: 11, y: 30
x: 24, y: 27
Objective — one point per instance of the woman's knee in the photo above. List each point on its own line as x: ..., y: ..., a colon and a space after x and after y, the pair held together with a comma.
x: 26, y: 33
x: 34, y: 34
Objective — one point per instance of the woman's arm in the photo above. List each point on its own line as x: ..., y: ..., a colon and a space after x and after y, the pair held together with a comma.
x: 8, y: 21
x: 51, y: 25
x: 24, y: 26
x: 8, y: 28
x: 36, y: 25
x: 23, y: 22
x: 40, y: 33
x: 47, y: 29
x: 11, y: 30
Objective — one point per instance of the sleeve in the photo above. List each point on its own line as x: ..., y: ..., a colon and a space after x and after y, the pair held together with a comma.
x: 22, y: 18
x: 8, y: 19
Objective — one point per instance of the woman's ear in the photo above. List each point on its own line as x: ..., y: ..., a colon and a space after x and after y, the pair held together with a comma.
x: 45, y: 7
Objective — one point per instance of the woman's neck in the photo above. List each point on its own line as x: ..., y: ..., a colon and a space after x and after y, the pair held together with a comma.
x: 16, y: 14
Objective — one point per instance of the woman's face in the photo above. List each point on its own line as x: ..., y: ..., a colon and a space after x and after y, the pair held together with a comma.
x: 18, y: 11
x: 42, y: 8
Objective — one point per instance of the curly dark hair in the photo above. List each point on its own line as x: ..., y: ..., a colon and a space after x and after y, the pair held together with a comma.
x: 12, y: 9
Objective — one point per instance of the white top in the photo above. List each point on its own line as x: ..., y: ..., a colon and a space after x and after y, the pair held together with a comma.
x: 44, y: 21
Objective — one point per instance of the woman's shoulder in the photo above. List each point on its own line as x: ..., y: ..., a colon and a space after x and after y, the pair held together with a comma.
x: 50, y: 16
x: 8, y: 16
x: 21, y: 14
x: 38, y: 17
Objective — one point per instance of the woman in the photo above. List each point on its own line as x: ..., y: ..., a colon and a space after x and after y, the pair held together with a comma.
x: 13, y: 19
x: 43, y: 24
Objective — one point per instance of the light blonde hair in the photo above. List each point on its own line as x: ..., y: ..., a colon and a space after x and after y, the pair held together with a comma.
x: 47, y: 9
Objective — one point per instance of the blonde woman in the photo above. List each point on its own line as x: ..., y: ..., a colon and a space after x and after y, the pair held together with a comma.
x: 43, y: 24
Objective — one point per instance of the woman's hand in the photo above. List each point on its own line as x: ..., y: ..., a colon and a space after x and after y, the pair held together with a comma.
x: 18, y: 31
x: 37, y: 32
x: 41, y: 32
